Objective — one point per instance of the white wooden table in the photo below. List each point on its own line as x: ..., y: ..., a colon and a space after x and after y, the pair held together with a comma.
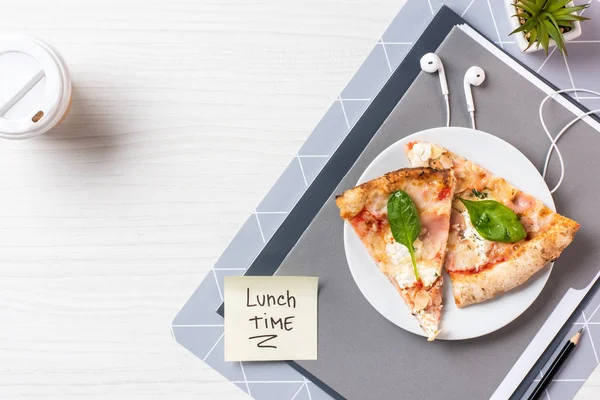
x: 184, y: 114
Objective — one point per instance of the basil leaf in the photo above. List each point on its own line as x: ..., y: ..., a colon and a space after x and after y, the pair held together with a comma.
x: 495, y: 221
x: 404, y: 221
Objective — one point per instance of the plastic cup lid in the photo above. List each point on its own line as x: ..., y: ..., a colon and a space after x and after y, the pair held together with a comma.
x: 34, y: 87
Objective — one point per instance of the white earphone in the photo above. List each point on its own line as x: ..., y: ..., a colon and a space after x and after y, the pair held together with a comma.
x: 431, y: 63
x: 473, y: 77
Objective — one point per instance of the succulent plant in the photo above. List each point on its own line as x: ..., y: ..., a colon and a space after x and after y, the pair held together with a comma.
x: 542, y: 20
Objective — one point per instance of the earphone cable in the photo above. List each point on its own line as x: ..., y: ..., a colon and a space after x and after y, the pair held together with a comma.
x: 553, y: 141
x: 447, y: 110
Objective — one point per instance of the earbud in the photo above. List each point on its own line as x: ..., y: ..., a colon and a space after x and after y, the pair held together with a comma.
x: 473, y: 77
x: 431, y: 63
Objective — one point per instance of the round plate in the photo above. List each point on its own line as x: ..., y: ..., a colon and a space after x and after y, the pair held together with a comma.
x: 501, y: 159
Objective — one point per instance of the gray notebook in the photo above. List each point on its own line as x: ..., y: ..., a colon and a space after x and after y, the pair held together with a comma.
x: 361, y: 354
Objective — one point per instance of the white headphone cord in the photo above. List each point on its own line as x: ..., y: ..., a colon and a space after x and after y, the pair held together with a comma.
x: 473, y: 119
x: 447, y: 110
x: 553, y: 141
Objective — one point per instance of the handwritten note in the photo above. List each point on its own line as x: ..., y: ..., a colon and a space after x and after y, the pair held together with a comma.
x: 270, y: 318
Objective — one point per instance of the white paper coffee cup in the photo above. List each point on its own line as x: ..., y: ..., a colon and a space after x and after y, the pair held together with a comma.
x: 35, y: 87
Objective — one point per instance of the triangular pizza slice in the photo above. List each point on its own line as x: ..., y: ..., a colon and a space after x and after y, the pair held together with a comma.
x: 365, y: 208
x: 490, y: 249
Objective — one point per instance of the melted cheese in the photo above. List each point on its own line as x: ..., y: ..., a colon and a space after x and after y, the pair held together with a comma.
x: 478, y: 243
x: 405, y: 278
x: 429, y: 273
x: 398, y: 253
x: 399, y: 256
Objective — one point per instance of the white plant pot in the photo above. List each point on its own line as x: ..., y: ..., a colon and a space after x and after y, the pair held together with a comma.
x: 520, y: 37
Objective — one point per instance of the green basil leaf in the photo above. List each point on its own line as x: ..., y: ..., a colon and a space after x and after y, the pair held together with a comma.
x: 404, y: 221
x: 495, y: 221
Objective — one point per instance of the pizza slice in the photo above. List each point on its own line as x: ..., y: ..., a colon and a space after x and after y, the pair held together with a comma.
x: 484, y: 258
x: 365, y: 208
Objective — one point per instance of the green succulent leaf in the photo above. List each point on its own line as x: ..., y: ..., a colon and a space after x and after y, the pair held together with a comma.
x: 525, y: 7
x: 527, y: 26
x: 570, y: 10
x: 544, y: 16
x: 532, y: 5
x: 556, y: 36
x: 544, y: 38
x: 555, y: 24
x: 532, y: 38
x: 565, y: 24
x: 570, y: 17
x: 555, y: 5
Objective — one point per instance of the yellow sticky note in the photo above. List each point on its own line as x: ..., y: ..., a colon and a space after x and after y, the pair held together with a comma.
x: 270, y: 318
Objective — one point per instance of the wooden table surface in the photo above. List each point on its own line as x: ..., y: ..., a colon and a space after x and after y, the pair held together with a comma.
x: 184, y: 114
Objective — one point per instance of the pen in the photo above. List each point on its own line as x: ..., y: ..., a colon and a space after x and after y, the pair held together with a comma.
x: 556, y: 364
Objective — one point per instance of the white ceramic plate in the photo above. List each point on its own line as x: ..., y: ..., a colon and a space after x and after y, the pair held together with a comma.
x: 500, y: 158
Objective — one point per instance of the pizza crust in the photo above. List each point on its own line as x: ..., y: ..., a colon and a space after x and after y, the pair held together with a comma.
x: 471, y: 288
x: 352, y: 201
